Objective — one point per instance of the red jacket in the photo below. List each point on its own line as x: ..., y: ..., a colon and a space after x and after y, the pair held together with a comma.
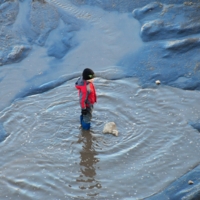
x: 87, y: 93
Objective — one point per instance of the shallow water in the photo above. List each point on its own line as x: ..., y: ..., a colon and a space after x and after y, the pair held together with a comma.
x: 47, y: 155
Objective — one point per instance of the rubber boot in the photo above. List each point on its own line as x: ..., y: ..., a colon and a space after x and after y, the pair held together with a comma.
x: 85, y: 126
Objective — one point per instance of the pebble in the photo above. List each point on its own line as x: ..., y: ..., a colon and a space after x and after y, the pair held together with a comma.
x: 190, y: 182
x: 157, y: 82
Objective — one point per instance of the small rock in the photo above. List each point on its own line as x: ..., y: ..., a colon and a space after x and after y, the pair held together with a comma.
x: 190, y: 182
x: 111, y: 128
x: 158, y: 82
x: 16, y: 51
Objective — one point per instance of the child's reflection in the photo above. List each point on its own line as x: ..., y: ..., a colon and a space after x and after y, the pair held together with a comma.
x: 87, y: 163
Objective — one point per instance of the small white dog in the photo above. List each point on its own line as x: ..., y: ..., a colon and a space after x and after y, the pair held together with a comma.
x: 111, y: 128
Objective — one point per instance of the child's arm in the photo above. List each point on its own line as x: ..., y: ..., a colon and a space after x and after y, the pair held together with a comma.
x: 83, y: 98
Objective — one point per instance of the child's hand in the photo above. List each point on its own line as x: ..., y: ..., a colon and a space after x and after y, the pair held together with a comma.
x: 84, y: 111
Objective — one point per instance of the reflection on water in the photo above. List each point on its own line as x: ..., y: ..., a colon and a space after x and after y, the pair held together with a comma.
x: 54, y: 159
x: 88, y: 162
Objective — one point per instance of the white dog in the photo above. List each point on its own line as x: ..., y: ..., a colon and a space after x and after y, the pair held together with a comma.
x: 110, y: 127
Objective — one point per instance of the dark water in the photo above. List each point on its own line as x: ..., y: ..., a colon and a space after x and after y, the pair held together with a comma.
x: 45, y: 154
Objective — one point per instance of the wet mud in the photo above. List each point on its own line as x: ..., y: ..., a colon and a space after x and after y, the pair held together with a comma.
x: 45, y: 44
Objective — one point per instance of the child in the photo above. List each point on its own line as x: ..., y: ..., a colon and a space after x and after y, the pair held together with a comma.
x: 87, y: 97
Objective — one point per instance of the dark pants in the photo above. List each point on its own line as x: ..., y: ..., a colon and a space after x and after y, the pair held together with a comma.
x: 86, y: 119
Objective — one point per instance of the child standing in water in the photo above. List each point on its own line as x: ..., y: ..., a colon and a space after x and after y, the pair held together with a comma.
x: 87, y: 97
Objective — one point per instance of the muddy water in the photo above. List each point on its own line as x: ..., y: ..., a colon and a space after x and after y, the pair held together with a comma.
x: 46, y: 155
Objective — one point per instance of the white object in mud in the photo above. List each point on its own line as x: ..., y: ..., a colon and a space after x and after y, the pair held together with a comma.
x: 190, y: 182
x: 111, y: 128
x: 158, y: 82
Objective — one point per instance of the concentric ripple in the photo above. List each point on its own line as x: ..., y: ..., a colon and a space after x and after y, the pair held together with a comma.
x: 47, y: 155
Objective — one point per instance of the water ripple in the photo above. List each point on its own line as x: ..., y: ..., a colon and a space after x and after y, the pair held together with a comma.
x: 54, y: 158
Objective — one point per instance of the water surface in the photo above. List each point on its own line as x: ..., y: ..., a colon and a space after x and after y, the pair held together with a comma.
x: 44, y: 153
x: 47, y: 155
